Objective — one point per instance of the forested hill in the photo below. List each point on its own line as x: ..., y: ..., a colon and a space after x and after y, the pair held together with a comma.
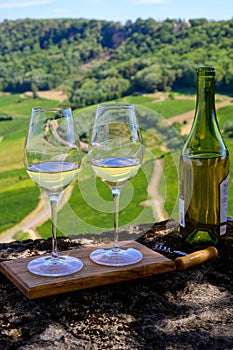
x: 96, y: 60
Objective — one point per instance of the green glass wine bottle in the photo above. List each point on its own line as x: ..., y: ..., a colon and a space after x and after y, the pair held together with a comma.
x: 204, y: 171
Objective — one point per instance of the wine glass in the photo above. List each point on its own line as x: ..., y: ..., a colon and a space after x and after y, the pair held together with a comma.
x: 52, y: 157
x: 116, y: 153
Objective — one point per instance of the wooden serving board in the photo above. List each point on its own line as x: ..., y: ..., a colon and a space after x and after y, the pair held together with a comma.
x: 91, y: 275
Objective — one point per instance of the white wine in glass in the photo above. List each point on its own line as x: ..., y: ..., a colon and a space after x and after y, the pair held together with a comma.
x: 52, y: 158
x: 116, y: 153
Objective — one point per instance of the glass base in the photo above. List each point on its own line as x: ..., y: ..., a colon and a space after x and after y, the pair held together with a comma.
x: 54, y: 267
x: 116, y: 257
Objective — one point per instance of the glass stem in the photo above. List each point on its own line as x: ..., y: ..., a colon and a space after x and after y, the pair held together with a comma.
x: 53, y: 198
x: 116, y: 198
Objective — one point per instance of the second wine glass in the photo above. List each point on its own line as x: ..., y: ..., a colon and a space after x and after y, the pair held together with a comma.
x: 116, y: 153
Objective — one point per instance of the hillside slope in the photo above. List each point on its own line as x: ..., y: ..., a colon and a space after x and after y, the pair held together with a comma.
x: 95, y: 61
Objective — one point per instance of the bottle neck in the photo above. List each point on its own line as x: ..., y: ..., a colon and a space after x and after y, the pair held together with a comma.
x: 205, y: 137
x: 205, y: 105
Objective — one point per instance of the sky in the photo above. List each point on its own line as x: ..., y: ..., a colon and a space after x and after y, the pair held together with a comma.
x: 117, y: 10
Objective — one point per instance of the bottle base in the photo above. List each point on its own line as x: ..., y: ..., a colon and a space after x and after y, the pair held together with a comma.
x: 201, y: 237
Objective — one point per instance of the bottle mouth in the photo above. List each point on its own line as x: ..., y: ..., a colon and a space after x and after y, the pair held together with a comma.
x: 206, y: 71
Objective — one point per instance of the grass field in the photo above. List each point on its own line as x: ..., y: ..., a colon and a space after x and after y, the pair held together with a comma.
x: 20, y: 105
x: 167, y: 108
x: 18, y: 196
x: 225, y: 115
x: 171, y: 108
x: 90, y: 207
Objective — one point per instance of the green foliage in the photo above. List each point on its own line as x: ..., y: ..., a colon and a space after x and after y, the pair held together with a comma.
x: 95, y: 92
x: 96, y: 61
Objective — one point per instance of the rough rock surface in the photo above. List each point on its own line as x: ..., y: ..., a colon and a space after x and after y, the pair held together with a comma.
x: 180, y: 310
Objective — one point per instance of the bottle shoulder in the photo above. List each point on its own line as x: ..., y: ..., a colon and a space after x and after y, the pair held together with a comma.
x: 205, y: 141
x: 215, y: 147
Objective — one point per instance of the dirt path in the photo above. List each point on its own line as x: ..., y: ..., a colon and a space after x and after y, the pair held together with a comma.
x: 156, y: 201
x: 55, y: 95
x: 188, y: 117
x: 35, y: 218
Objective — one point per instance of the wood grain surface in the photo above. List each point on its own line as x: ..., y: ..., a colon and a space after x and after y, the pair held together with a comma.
x: 91, y: 275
